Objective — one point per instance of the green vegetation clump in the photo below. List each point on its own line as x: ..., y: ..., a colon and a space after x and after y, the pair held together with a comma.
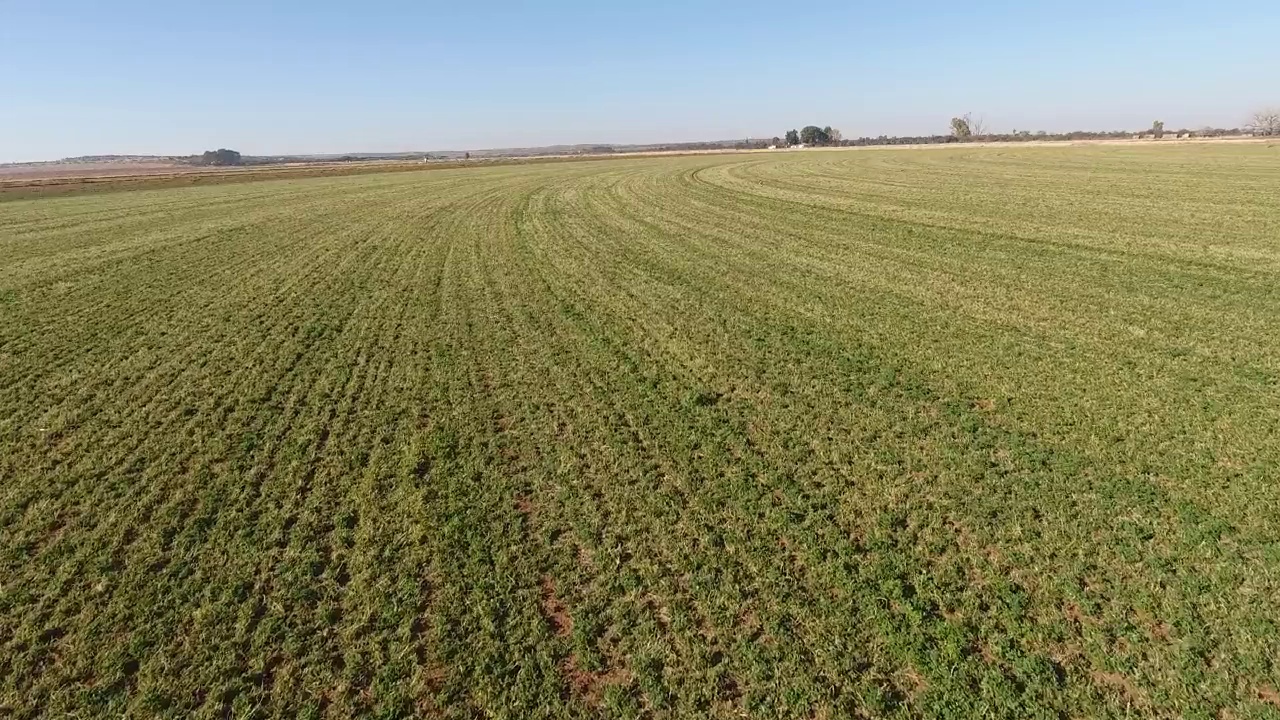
x: 222, y: 156
x: 892, y: 433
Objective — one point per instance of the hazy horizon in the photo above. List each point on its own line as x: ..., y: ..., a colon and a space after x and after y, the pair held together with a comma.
x: 145, y: 78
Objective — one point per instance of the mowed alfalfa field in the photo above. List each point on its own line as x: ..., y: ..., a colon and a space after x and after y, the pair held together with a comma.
x: 881, y: 433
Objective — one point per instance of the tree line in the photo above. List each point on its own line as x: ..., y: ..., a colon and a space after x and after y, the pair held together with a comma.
x: 963, y: 128
x: 968, y: 128
x: 810, y: 135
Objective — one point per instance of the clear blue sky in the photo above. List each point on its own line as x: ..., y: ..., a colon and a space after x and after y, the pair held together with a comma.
x: 293, y: 76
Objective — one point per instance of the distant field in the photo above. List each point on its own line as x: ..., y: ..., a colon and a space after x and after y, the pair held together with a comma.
x: 975, y: 431
x: 30, y: 182
x: 58, y: 170
x: 105, y: 178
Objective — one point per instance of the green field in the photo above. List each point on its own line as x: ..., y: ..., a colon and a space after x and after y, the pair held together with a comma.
x: 808, y: 435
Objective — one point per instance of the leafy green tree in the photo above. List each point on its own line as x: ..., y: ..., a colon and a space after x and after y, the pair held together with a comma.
x: 813, y: 135
x: 1157, y: 129
x: 221, y: 156
x: 960, y: 128
x: 793, y: 137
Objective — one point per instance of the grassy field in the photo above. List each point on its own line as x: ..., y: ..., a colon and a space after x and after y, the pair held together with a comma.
x: 826, y: 434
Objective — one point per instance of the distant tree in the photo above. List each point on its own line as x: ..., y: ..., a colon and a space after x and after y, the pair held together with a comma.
x: 813, y: 135
x: 1041, y: 133
x: 467, y: 156
x: 967, y: 126
x: 776, y: 141
x: 1157, y: 129
x: 1265, y: 122
x: 221, y: 156
x: 834, y: 135
x: 793, y: 137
